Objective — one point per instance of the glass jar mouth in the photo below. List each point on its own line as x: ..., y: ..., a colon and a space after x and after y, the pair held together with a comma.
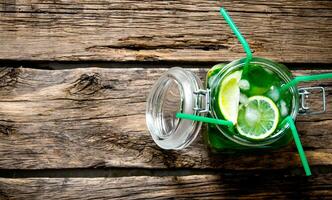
x: 277, y: 68
x: 172, y: 93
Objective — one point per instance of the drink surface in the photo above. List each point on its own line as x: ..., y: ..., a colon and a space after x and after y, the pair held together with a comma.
x: 259, y: 87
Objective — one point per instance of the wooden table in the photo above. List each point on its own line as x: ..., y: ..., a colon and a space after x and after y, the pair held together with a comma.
x: 72, y: 118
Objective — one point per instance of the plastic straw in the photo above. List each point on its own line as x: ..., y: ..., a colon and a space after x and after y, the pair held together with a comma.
x: 238, y: 34
x: 204, y: 119
x: 298, y: 79
x: 298, y: 144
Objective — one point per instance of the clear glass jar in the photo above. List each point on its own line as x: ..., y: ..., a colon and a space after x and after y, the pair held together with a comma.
x: 179, y: 90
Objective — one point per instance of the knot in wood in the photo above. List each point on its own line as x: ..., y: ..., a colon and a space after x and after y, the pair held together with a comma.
x: 6, y: 129
x: 8, y: 77
x: 87, y: 84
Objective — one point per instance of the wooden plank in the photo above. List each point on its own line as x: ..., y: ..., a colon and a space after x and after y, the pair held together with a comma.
x: 180, y: 187
x: 287, y: 31
x: 95, y: 117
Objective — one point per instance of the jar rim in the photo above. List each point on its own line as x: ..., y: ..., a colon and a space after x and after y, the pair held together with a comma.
x: 179, y: 133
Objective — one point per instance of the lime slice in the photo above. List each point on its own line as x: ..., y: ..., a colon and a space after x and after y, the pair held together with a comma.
x: 215, y: 69
x: 258, y: 119
x: 229, y: 96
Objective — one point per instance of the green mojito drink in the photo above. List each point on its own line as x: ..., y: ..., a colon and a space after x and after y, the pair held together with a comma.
x: 249, y: 99
x: 253, y: 102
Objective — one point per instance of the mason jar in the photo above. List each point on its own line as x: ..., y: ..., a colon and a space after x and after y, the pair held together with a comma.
x: 180, y: 91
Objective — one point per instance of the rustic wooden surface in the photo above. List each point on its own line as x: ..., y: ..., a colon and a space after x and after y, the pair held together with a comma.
x: 80, y: 118
x: 288, y: 31
x: 80, y: 133
x: 185, y: 187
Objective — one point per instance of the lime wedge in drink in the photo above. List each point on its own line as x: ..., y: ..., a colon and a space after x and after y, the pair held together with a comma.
x: 229, y: 96
x: 258, y: 119
x: 215, y: 69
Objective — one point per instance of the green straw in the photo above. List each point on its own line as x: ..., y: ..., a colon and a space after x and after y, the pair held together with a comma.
x: 298, y: 79
x: 298, y: 144
x: 204, y: 119
x: 238, y: 34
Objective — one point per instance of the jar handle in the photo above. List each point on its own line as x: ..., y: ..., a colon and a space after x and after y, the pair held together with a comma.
x: 304, y: 93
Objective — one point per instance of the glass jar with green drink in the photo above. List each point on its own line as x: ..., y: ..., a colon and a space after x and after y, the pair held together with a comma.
x: 254, y: 104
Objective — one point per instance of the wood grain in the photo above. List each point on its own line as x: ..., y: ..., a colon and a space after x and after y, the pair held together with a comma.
x: 95, y: 117
x: 180, y: 187
x: 288, y: 31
